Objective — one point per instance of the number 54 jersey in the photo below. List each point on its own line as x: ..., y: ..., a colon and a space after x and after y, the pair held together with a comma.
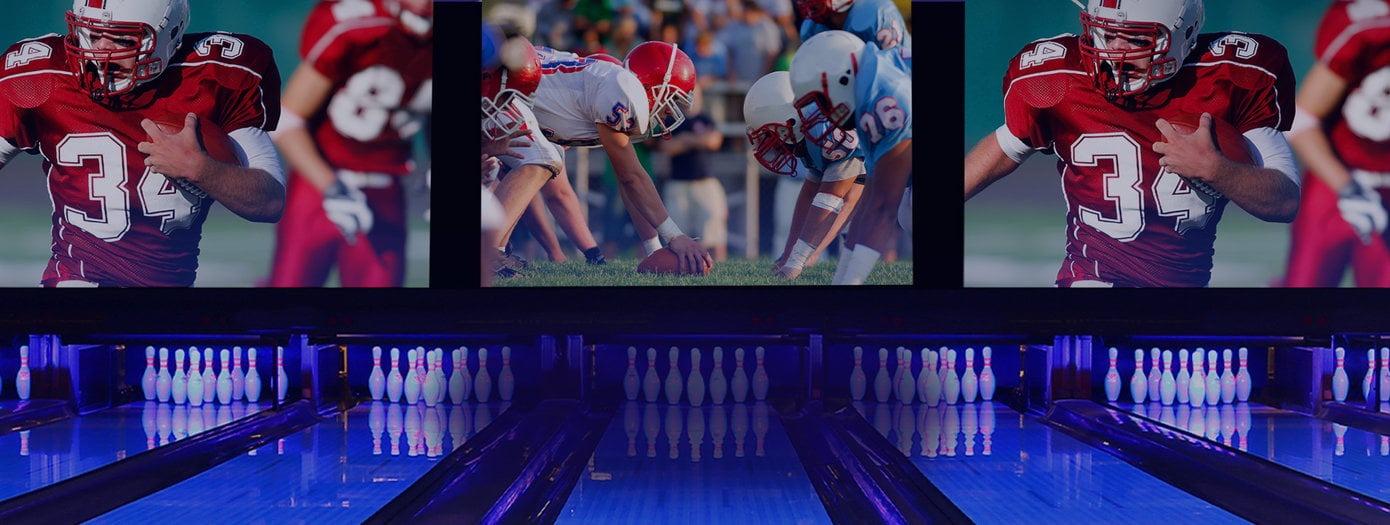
x: 115, y: 221
x: 1129, y: 221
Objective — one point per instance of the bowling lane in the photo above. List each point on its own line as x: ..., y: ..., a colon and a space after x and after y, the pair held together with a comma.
x: 1354, y: 459
x: 1000, y: 466
x: 338, y: 471
x: 646, y: 470
x: 35, y: 458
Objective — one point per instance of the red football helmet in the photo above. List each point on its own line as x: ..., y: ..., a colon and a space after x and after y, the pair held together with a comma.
x: 415, y: 16
x: 515, y: 79
x: 819, y: 11
x: 669, y: 76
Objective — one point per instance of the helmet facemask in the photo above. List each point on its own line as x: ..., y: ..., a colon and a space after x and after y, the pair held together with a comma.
x: 668, y: 103
x: 500, y: 117
x: 1115, y: 71
x: 100, y: 71
x: 772, y: 146
x: 820, y: 118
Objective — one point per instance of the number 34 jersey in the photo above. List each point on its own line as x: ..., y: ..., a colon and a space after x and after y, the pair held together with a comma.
x: 382, y: 86
x: 1129, y: 221
x: 115, y: 221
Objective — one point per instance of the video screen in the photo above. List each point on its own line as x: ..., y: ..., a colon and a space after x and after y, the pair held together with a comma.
x: 172, y: 143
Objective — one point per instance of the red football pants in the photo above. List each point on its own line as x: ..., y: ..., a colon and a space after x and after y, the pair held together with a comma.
x: 307, y: 244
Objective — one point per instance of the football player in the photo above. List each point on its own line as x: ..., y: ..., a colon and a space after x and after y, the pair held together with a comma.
x: 842, y: 83
x: 835, y: 175
x: 1340, y: 133
x: 592, y: 102
x: 877, y: 21
x: 1143, y: 198
x: 351, y: 111
x: 129, y: 199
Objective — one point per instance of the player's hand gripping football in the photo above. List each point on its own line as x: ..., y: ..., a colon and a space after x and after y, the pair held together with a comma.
x: 1362, y: 209
x: 1193, y: 155
x: 694, y: 258
x: 347, y: 208
x: 177, y: 156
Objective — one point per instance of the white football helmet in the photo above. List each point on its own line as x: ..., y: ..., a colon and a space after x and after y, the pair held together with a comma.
x: 1162, y: 31
x: 822, y: 76
x: 154, y: 28
x: 773, y: 128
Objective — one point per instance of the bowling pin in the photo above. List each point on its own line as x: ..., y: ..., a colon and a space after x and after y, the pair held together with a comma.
x: 421, y: 370
x: 923, y: 374
x: 1197, y: 390
x: 934, y: 386
x: 180, y: 387
x: 952, y: 380
x: 456, y: 388
x: 482, y: 383
x: 376, y: 382
x: 987, y: 376
x: 1167, y: 386
x: 897, y: 378
x: 224, y: 380
x: 23, y: 378
x: 429, y: 391
x: 1112, y: 377
x: 1184, y: 381
x: 1228, y: 378
x: 1213, y: 380
x: 394, y: 383
x: 673, y: 377
x: 1155, y: 376
x: 195, y: 378
x: 1138, y: 383
x: 1339, y: 377
x: 718, y: 384
x: 467, y: 377
x: 1370, y: 373
x: 1384, y: 375
x: 740, y: 382
x: 1243, y: 377
x: 969, y: 384
x: 238, y: 377
x: 760, y: 381
x: 253, y: 377
x: 630, y: 381
x: 941, y: 356
x: 147, y: 379
x: 857, y: 380
x: 209, y: 377
x: 164, y: 382
x: 651, y: 383
x: 907, y: 386
x: 281, y: 378
x: 882, y: 378
x: 506, y: 382
x: 695, y: 383
x: 412, y: 379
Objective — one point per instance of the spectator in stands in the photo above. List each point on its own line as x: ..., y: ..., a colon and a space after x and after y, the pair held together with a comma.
x: 591, y: 13
x: 637, y: 9
x: 693, y: 196
x: 753, y: 42
x: 710, y: 58
x: 592, y: 44
x: 624, y: 37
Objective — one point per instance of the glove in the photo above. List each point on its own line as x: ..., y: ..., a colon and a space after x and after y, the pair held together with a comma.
x: 1362, y: 209
x: 347, y: 208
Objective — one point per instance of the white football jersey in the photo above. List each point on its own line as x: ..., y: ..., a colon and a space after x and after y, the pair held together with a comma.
x: 577, y: 95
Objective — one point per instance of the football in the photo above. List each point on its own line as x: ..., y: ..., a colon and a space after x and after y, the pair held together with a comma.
x: 213, y: 140
x: 663, y: 261
x: 1228, y: 139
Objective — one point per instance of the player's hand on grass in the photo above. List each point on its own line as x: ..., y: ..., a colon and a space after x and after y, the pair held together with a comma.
x: 694, y: 259
x: 504, y: 145
x: 1192, y: 155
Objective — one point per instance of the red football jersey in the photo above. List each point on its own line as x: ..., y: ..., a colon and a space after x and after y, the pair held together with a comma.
x: 1354, y: 42
x: 1129, y: 222
x: 116, y: 222
x: 382, y: 80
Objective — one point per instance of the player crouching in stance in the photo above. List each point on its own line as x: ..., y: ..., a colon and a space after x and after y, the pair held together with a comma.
x: 1143, y: 197
x: 835, y: 175
x: 840, y: 84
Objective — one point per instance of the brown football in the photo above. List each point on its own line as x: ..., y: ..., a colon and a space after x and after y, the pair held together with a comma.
x: 218, y: 145
x: 1228, y: 139
x: 663, y: 261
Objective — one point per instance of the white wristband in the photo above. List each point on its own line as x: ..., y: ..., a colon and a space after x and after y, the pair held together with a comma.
x: 651, y: 245
x: 668, y: 230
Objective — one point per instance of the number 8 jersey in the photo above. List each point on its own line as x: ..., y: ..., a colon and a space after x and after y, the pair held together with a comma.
x: 1354, y: 42
x: 1129, y: 222
x: 115, y: 221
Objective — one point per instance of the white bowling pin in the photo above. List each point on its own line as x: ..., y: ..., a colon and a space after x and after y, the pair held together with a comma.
x: 456, y: 392
x: 1339, y: 376
x: 695, y: 383
x: 147, y: 379
x: 1197, y: 390
x: 282, y: 379
x: 429, y: 392
x: 395, y: 384
x: 1112, y: 377
x: 412, y: 379
x: 482, y: 383
x: 760, y: 380
x: 1228, y: 378
x: 180, y: 387
x: 1384, y: 374
x: 1155, y: 375
x: 1213, y: 380
x: 970, y: 383
x: 674, y: 385
x: 858, y: 382
x: 934, y: 385
x: 376, y: 382
x: 925, y: 372
x: 164, y: 382
x: 224, y: 379
x: 907, y: 385
x: 238, y: 377
x: 897, y: 378
x: 952, y: 380
x: 718, y: 384
x: 651, y: 383
x: 987, y: 376
x: 253, y: 377
x: 1243, y: 377
x: 740, y: 383
x: 23, y: 379
x: 882, y: 379
x: 195, y: 378
x: 631, y: 383
x: 467, y: 377
x: 1167, y: 386
x: 1370, y: 373
x: 506, y: 382
x: 1184, y: 380
x: 1138, y: 383
x: 209, y: 377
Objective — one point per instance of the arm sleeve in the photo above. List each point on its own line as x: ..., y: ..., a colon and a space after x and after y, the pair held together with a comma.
x: 256, y: 151
x: 1269, y: 147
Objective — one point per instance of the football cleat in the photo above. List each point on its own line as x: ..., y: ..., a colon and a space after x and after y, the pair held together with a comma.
x: 115, y: 46
x: 669, y: 77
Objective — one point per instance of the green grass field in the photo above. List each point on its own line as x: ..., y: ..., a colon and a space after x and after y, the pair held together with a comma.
x: 733, y: 272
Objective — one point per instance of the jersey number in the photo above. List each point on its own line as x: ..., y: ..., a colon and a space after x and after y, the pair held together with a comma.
x: 1245, y: 46
x: 27, y: 53
x: 1367, y: 109
x: 1040, y: 54
x: 107, y: 186
x: 368, y: 102
x: 887, y: 116
x: 1123, y: 189
x: 231, y: 46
